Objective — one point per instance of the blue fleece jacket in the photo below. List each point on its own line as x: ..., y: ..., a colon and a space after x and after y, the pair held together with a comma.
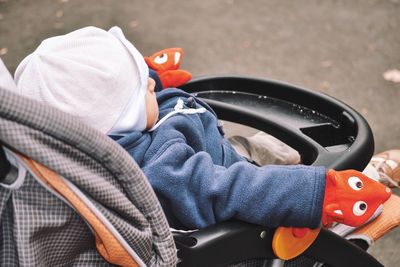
x: 200, y: 180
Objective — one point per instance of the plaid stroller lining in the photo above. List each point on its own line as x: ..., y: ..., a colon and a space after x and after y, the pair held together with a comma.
x: 109, y: 242
x: 41, y: 230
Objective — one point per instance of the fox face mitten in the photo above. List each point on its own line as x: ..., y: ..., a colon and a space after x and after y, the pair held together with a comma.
x: 166, y: 63
x: 351, y: 198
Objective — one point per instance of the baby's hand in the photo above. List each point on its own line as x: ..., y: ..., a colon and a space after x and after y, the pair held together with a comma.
x: 351, y: 197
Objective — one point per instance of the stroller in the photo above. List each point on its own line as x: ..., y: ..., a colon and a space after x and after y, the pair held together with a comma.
x: 71, y: 196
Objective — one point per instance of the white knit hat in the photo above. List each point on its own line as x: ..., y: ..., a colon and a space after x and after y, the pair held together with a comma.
x: 95, y: 75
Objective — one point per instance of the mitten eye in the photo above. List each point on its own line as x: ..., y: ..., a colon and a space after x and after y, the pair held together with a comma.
x: 359, y: 208
x: 355, y: 183
x: 161, y: 59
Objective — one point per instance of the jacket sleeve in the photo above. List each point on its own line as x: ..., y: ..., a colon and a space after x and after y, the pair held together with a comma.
x: 200, y: 193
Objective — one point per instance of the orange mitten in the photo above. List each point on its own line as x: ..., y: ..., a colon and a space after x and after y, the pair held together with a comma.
x: 351, y: 197
x: 166, y: 63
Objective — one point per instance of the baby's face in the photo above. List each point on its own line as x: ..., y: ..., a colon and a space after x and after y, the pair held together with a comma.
x: 151, y: 104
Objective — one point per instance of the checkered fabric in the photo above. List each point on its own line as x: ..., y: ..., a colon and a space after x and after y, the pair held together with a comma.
x: 37, y: 228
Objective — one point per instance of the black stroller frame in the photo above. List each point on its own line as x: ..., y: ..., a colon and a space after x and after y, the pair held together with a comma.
x: 324, y: 130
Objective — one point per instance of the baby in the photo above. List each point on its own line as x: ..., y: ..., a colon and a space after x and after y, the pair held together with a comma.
x: 99, y: 77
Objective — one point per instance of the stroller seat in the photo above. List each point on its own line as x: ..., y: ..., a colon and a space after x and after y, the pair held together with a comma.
x: 40, y: 226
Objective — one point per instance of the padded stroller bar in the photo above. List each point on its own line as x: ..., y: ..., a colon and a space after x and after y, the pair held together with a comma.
x: 324, y: 130
x: 234, y: 241
x: 226, y: 242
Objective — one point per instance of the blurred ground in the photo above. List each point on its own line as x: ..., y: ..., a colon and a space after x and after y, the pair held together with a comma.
x: 339, y: 47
